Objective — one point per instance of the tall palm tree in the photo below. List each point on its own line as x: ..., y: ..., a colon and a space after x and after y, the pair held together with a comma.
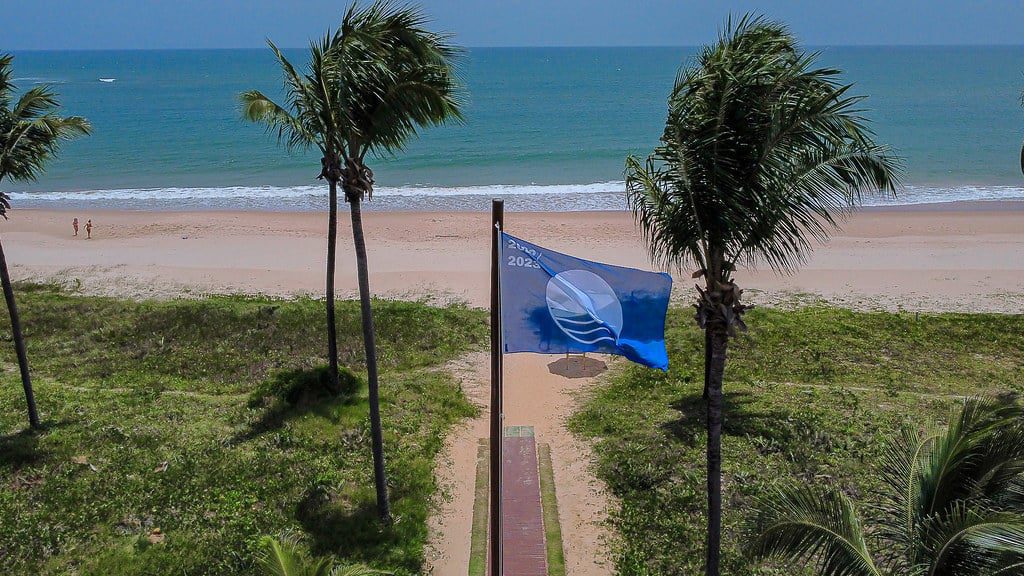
x: 31, y: 134
x: 762, y: 152
x: 369, y: 87
x: 953, y: 505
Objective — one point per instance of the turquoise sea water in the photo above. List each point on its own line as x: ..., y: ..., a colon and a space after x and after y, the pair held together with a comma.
x: 547, y: 127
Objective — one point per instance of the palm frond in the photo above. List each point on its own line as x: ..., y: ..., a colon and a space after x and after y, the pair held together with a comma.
x: 800, y: 525
x: 285, y: 558
x: 256, y: 107
x: 960, y: 463
x: 31, y: 131
x: 964, y: 541
x: 7, y: 88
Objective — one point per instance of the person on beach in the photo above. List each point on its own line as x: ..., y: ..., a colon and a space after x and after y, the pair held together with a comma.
x: 74, y: 224
x: 88, y: 229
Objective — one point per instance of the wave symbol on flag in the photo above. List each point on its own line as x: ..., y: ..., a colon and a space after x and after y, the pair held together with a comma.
x: 584, y: 306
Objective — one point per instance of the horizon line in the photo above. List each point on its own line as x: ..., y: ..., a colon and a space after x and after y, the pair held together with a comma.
x: 520, y: 47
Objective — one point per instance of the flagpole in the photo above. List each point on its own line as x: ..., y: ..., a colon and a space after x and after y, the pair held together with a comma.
x: 497, y: 225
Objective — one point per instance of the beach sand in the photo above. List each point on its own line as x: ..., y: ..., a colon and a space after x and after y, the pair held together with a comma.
x: 964, y: 256
x: 959, y: 257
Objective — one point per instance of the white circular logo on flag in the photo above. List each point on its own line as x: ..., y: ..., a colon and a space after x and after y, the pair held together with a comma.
x: 584, y: 306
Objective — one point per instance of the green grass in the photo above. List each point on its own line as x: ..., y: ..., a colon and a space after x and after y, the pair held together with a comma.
x: 481, y: 516
x: 549, y: 502
x: 125, y: 387
x: 811, y: 395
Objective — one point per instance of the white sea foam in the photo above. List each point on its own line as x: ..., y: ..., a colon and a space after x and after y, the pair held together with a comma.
x: 298, y: 192
x: 594, y: 196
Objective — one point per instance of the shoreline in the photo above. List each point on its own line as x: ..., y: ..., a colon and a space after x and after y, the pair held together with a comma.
x: 1002, y: 205
x: 944, y: 257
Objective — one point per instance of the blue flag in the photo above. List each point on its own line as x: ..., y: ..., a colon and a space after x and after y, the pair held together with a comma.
x: 553, y: 304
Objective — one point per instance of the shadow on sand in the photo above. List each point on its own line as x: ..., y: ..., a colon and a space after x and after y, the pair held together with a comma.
x: 577, y: 367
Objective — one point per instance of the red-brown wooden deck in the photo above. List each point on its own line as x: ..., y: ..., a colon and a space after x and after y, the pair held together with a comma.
x: 522, y: 539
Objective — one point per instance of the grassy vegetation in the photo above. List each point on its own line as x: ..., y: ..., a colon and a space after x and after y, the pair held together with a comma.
x: 811, y: 395
x: 481, y: 513
x: 195, y: 418
x: 549, y: 501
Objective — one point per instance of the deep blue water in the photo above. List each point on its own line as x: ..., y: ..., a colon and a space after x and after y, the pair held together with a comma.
x: 540, y: 123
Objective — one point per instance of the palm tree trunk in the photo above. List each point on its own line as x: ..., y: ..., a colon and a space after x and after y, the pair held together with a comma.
x: 707, y: 362
x: 369, y: 342
x: 332, y: 328
x: 719, y: 341
x: 19, y: 341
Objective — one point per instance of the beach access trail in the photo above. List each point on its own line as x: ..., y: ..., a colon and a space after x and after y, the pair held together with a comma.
x: 963, y: 257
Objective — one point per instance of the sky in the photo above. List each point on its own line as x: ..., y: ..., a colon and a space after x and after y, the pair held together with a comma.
x: 159, y: 24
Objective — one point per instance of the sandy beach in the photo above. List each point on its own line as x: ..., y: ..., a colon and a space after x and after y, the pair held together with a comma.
x: 963, y: 256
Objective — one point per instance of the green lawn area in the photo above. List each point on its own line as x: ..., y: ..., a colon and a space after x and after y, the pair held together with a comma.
x: 152, y: 420
x: 811, y: 395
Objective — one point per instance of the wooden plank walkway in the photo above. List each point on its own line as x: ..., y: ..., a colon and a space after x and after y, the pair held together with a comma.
x: 522, y: 538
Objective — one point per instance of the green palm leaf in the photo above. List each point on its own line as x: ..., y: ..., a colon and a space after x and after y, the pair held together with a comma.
x: 284, y: 557
x: 963, y: 541
x: 802, y: 525
x: 31, y: 131
x: 951, y: 504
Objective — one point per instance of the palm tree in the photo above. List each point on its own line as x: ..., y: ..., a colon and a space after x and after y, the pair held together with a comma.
x: 762, y: 152
x: 953, y: 504
x: 1022, y: 146
x: 31, y: 133
x: 369, y: 87
x: 284, y: 558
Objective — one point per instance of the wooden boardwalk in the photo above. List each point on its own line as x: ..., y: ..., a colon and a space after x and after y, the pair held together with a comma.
x: 522, y: 538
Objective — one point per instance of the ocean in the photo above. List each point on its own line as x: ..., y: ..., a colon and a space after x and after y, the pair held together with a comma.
x: 545, y: 128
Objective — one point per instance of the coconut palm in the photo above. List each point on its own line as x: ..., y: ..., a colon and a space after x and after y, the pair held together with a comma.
x: 31, y: 134
x: 285, y: 558
x: 762, y: 152
x: 953, y: 504
x: 369, y: 87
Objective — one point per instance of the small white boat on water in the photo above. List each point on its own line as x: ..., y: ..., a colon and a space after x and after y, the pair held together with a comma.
x: 107, y: 80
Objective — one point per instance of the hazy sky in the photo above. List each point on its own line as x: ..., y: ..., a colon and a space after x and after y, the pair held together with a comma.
x: 101, y: 24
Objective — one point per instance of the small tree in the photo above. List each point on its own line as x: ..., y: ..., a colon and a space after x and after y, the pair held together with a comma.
x: 31, y: 134
x: 762, y: 151
x: 369, y: 87
x: 953, y: 504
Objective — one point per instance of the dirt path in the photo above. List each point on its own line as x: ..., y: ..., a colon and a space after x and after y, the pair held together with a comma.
x: 540, y: 391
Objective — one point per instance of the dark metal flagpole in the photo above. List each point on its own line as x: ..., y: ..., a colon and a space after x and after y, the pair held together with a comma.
x: 497, y: 225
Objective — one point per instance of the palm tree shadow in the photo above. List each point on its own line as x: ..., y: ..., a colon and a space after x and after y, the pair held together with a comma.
x: 739, y: 418
x: 349, y: 522
x: 293, y: 394
x: 22, y: 448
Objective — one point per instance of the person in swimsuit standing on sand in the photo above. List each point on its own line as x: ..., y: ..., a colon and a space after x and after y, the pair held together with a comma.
x: 88, y: 229
x: 74, y: 224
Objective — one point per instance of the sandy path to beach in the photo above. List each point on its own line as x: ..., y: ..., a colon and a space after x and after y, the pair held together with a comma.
x: 959, y: 257
x: 540, y: 391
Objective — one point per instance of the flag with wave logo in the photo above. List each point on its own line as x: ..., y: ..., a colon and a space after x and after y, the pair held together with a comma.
x: 553, y: 303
